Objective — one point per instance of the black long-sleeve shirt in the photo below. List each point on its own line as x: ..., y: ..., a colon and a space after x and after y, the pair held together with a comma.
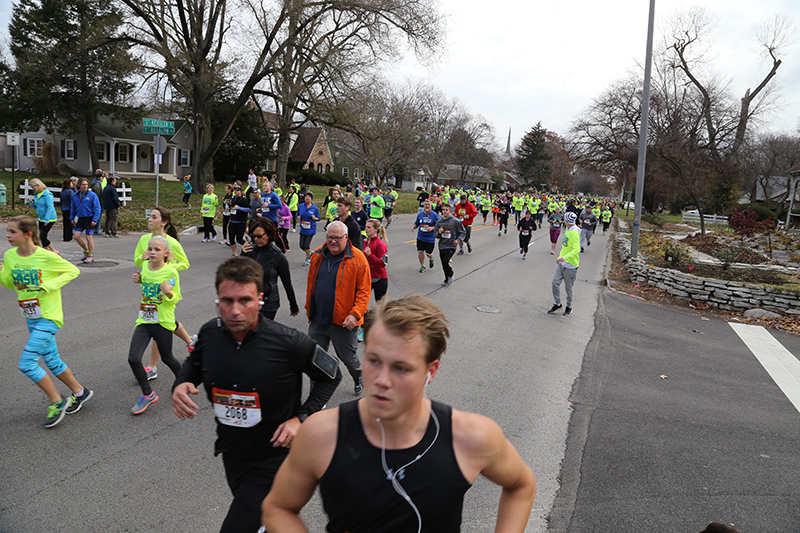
x: 267, y: 366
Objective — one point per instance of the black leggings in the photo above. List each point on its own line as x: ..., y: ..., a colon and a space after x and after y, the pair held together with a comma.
x: 284, y: 236
x: 237, y: 232
x: 208, y: 227
x: 141, y: 337
x: 67, y: 226
x: 524, y: 241
x: 225, y: 220
x: 250, y: 482
x: 380, y: 286
x: 44, y: 229
x: 503, y: 222
x: 294, y: 219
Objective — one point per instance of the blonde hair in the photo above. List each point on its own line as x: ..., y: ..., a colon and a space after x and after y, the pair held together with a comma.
x: 35, y: 183
x: 376, y: 224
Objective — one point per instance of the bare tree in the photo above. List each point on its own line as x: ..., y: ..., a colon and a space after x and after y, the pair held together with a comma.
x: 470, y: 145
x: 442, y: 118
x: 188, y: 42
x: 765, y: 162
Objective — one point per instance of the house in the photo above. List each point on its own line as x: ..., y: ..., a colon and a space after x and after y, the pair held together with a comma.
x: 794, y: 174
x: 476, y: 177
x: 122, y: 149
x: 772, y: 189
x: 308, y: 148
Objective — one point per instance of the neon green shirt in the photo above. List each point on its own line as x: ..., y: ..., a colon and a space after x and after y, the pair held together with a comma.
x: 38, y: 279
x: 155, y: 306
x: 177, y: 257
x: 571, y: 246
x: 376, y: 205
x: 208, y: 208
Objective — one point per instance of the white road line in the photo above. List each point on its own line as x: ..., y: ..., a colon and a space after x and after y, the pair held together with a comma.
x: 780, y: 364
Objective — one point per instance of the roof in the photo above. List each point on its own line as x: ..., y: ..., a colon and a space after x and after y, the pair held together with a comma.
x: 794, y: 170
x: 304, y: 145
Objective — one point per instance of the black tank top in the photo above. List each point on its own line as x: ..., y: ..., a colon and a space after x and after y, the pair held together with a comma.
x: 358, y: 497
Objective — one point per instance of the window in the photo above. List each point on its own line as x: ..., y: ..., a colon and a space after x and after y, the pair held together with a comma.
x: 345, y: 171
x: 122, y: 153
x: 311, y: 165
x: 327, y: 168
x: 186, y: 157
x: 319, y: 168
x: 100, y: 147
x: 35, y: 147
x: 69, y: 149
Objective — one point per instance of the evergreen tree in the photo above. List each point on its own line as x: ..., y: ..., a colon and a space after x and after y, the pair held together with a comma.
x: 532, y: 159
x: 247, y: 145
x: 68, y: 67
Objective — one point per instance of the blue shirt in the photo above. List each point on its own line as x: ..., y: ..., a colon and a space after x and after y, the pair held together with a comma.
x: 273, y: 205
x: 308, y: 226
x: 426, y: 222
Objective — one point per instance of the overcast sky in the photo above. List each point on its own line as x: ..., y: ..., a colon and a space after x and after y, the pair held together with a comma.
x: 518, y: 63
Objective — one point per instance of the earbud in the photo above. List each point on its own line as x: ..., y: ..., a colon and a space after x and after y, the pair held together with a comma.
x: 216, y: 302
x: 428, y: 379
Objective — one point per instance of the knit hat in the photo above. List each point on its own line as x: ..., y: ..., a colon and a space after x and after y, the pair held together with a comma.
x: 570, y: 218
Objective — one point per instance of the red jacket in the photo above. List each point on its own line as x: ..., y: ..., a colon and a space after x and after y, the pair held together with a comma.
x: 353, y: 284
x: 378, y: 249
x: 465, y: 212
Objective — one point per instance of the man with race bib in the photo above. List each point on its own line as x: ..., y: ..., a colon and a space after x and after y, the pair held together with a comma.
x: 252, y: 370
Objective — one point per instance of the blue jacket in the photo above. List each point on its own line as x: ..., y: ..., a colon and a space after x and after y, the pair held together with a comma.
x: 66, y: 199
x: 87, y: 205
x: 45, y: 209
x: 273, y: 205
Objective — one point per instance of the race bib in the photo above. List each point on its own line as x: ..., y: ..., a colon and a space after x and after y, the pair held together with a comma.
x: 30, y: 308
x: 148, y: 312
x: 238, y: 409
x: 305, y: 224
x: 446, y: 234
x: 426, y: 228
x: 206, y: 210
x: 526, y: 233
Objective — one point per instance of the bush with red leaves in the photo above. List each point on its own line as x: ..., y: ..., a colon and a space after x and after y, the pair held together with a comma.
x: 743, y: 222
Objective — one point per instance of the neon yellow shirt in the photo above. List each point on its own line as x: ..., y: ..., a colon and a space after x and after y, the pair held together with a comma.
x: 208, y: 208
x: 155, y: 306
x: 38, y: 279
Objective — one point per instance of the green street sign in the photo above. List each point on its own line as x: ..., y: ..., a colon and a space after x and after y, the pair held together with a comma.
x: 158, y: 127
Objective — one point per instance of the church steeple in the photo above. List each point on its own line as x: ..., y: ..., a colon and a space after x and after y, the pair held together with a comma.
x: 508, y: 143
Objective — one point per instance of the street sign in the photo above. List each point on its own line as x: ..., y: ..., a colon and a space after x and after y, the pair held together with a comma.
x: 12, y: 139
x: 159, y: 145
x: 158, y: 127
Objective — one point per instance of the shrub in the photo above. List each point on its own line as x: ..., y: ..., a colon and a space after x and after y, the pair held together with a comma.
x: 762, y: 212
x: 312, y: 177
x: 656, y: 219
x: 743, y: 221
x: 674, y: 252
x: 726, y: 255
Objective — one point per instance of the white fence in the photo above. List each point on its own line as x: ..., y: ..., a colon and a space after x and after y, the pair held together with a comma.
x: 710, y: 219
x: 27, y: 195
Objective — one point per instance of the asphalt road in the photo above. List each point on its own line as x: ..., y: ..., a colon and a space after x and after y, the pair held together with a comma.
x: 105, y: 470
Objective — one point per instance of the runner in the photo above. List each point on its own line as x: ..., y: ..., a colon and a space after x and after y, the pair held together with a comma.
x: 389, y: 199
x: 267, y: 253
x: 450, y: 232
x: 309, y: 216
x: 45, y: 208
x: 426, y: 238
x: 160, y: 225
x: 208, y: 210
x: 376, y: 204
x: 293, y: 200
x: 525, y: 226
x: 226, y: 213
x: 86, y: 213
x: 465, y: 213
x: 161, y: 292
x: 567, y: 264
x: 285, y: 217
x: 38, y: 275
x: 240, y: 210
x: 359, y: 215
x: 556, y: 220
x: 503, y: 210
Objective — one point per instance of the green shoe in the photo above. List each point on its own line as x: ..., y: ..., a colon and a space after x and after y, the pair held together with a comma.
x: 56, y: 412
x: 422, y: 268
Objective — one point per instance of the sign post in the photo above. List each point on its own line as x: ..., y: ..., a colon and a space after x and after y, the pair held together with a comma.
x: 158, y: 128
x: 12, y: 139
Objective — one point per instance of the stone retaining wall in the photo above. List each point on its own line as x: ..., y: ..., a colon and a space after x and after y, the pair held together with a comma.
x: 729, y: 295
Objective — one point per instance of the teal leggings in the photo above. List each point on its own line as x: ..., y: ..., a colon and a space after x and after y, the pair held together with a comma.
x: 41, y: 344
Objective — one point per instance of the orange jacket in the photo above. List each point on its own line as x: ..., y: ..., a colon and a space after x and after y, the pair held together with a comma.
x: 353, y: 284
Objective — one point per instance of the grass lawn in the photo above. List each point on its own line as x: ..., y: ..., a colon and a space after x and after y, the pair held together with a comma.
x: 132, y: 216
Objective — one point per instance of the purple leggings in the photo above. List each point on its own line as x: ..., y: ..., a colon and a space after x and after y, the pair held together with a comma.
x: 554, y: 233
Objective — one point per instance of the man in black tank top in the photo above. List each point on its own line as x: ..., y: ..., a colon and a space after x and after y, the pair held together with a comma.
x: 393, y: 460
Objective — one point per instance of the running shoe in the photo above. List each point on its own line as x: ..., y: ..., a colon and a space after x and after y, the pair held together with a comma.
x: 225, y: 242
x: 76, y: 402
x: 56, y: 412
x: 85, y: 255
x: 205, y: 240
x: 447, y: 281
x: 422, y: 268
x: 581, y: 250
x: 89, y: 259
x: 520, y: 251
x: 499, y: 233
x: 152, y: 373
x: 555, y: 308
x: 213, y: 238
x: 294, y: 230
x: 568, y: 310
x: 552, y: 253
x: 505, y: 231
x: 56, y: 252
x: 460, y: 252
x: 524, y: 256
x: 308, y: 262
x: 143, y: 403
x: 430, y: 263
x: 469, y: 248
x: 360, y: 336
x: 359, y: 386
x: 192, y: 344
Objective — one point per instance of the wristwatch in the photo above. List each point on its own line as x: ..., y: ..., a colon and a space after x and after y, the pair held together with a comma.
x: 302, y: 417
